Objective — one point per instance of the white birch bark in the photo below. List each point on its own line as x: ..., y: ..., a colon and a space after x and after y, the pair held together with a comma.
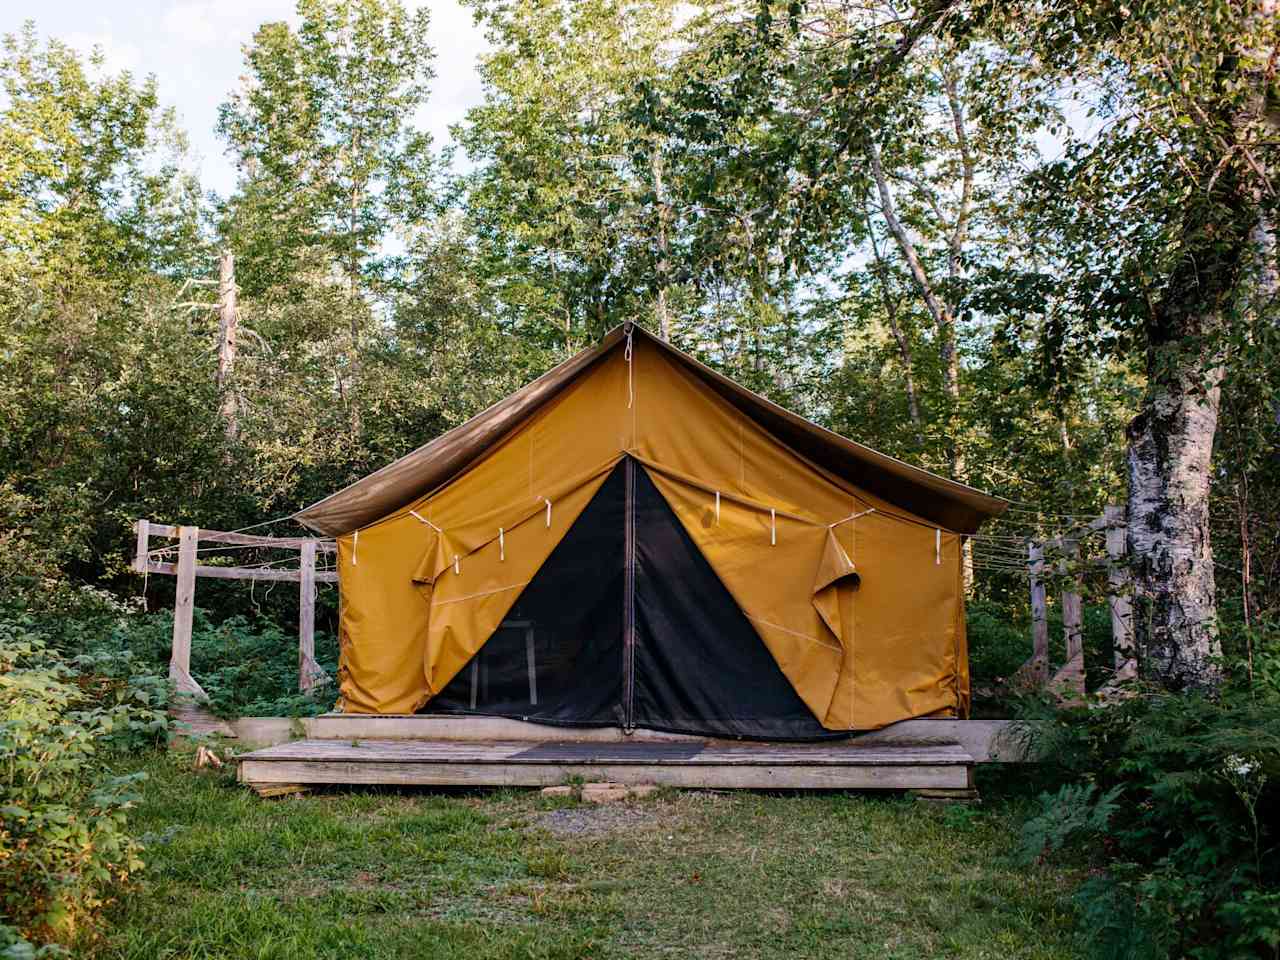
x: 1169, y: 459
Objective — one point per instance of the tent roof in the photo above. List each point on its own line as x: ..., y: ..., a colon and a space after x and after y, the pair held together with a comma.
x: 945, y: 502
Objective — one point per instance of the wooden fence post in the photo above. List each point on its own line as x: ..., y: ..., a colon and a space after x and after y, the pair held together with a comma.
x: 1039, y: 615
x: 144, y: 546
x: 183, y: 612
x: 1069, y: 681
x: 1118, y: 587
x: 307, y: 617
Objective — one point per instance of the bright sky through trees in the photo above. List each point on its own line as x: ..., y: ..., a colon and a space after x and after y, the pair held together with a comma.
x: 194, y: 49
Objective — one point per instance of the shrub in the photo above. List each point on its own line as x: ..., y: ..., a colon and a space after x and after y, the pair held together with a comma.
x: 1176, y: 800
x: 64, y: 848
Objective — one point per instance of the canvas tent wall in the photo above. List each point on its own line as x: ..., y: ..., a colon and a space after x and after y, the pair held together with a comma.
x: 634, y: 539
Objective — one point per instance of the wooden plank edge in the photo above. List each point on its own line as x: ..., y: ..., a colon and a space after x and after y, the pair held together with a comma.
x: 541, y: 775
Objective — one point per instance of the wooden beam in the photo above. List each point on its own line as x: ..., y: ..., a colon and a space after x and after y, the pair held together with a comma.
x: 243, y: 573
x: 307, y: 617
x: 247, y: 539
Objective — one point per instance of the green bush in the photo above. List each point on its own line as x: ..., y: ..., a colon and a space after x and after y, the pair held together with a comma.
x: 64, y: 847
x: 248, y: 667
x: 1176, y: 800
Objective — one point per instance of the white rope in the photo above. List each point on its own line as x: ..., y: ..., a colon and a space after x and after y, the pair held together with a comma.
x: 502, y: 544
x: 937, y: 547
x: 456, y: 568
x: 773, y: 527
x: 419, y: 516
x: 852, y: 516
x: 355, y: 539
x: 631, y: 394
x: 548, y: 503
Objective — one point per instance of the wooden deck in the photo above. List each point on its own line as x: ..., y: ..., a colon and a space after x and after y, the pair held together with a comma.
x: 677, y: 763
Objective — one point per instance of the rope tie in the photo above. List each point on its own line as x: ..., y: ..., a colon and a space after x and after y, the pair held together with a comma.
x: 773, y: 527
x: 502, y: 544
x: 937, y: 547
x: 456, y: 568
x: 548, y: 503
x: 419, y: 516
x: 355, y: 539
x: 852, y: 516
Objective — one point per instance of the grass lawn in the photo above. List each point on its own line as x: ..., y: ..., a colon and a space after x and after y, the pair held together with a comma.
x: 496, y: 874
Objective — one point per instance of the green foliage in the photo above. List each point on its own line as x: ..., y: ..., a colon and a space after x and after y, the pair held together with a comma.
x: 1075, y: 813
x: 64, y: 848
x: 1189, y: 852
x: 249, y: 667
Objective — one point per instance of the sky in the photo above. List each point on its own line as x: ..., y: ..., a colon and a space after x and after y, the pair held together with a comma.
x: 194, y: 48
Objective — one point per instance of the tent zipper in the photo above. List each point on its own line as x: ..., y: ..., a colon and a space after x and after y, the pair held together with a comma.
x: 629, y: 602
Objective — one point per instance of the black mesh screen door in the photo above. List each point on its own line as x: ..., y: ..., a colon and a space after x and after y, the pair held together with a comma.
x: 627, y: 624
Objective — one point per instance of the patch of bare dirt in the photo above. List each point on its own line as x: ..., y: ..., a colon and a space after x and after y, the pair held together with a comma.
x: 599, y: 819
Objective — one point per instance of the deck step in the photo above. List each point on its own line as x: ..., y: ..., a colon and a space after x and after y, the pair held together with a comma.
x: 678, y: 764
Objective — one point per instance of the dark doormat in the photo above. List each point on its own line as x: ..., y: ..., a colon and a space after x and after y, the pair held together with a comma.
x: 638, y: 752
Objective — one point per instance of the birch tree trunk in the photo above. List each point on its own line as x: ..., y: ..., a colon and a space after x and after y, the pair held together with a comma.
x: 228, y: 333
x: 1169, y: 457
x: 664, y: 248
x: 1229, y: 266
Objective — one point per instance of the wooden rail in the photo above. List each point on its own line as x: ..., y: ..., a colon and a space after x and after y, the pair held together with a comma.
x: 187, y: 569
x: 1069, y: 681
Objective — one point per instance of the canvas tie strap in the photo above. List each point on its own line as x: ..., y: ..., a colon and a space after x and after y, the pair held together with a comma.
x: 456, y: 568
x: 419, y: 516
x: 548, y: 503
x: 355, y: 539
x: 502, y: 544
x: 773, y: 527
x: 852, y: 516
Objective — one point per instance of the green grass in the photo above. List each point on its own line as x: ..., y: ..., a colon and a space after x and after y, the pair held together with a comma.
x: 389, y: 874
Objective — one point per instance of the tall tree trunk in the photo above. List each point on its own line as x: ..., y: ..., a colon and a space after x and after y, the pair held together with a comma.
x: 955, y: 253
x: 938, y: 308
x: 664, y: 247
x: 1228, y: 264
x: 899, y: 336
x: 228, y: 331
x: 1170, y: 449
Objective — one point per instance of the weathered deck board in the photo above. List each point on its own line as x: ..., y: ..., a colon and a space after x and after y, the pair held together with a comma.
x: 713, y: 764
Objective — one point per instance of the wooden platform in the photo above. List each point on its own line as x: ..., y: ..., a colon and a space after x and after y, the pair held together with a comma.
x: 677, y: 763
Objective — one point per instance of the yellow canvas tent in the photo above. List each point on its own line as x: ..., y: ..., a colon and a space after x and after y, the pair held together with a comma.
x: 635, y: 539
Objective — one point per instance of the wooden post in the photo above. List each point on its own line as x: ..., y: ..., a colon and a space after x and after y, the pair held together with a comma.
x: 307, y: 617
x: 144, y: 546
x: 1039, y: 615
x: 1118, y: 589
x: 1072, y: 607
x: 1069, y: 681
x: 183, y: 611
